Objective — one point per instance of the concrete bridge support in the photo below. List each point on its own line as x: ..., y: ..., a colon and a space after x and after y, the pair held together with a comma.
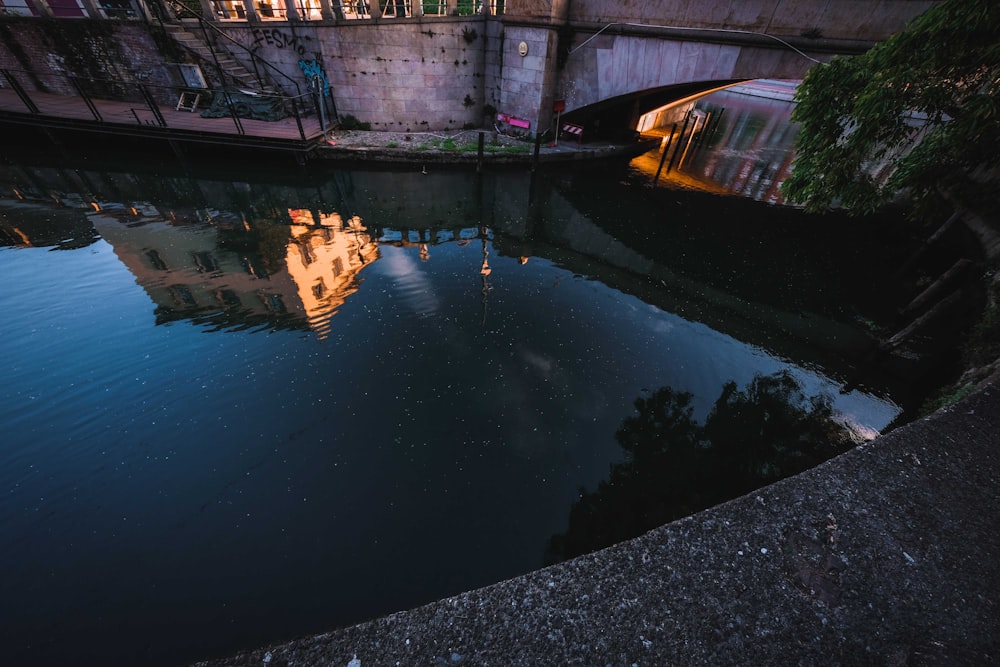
x: 593, y: 51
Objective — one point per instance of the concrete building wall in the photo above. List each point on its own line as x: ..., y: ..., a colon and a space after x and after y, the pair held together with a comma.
x: 399, y: 76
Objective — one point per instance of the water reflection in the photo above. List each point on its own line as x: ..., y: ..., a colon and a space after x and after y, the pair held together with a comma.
x: 675, y: 466
x: 232, y: 271
x: 736, y: 141
x: 448, y: 360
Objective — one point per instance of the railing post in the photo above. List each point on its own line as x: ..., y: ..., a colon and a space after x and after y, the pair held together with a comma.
x: 298, y: 119
x: 666, y: 149
x: 677, y: 149
x: 153, y: 106
x: 329, y: 12
x: 252, y: 15
x: 232, y: 112
x: 21, y: 92
x: 91, y: 9
x: 291, y: 12
x: 208, y: 11
x: 86, y: 99
x: 42, y: 8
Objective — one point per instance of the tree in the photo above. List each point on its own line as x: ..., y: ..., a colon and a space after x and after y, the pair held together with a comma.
x: 918, y: 113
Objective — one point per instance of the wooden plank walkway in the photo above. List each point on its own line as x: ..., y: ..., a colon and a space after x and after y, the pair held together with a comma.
x: 137, y: 118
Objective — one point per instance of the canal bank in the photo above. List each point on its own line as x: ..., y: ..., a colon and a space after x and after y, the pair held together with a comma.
x: 470, y: 147
x: 885, y: 555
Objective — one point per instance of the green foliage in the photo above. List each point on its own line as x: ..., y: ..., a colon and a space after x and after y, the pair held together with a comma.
x: 918, y: 113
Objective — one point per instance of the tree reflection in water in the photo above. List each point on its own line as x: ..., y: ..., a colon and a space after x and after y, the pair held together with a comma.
x: 675, y: 467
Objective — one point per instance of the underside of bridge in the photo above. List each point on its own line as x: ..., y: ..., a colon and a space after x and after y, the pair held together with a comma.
x: 617, y: 118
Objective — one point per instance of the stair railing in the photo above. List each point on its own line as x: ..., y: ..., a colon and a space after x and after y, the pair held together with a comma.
x: 180, y: 10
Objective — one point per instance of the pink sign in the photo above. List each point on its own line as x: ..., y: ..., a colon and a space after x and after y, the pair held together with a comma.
x: 516, y: 122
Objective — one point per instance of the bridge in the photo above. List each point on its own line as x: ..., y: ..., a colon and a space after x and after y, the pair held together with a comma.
x: 434, y: 64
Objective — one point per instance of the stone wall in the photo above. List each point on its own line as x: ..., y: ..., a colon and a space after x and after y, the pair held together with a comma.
x: 401, y: 75
x: 108, y: 59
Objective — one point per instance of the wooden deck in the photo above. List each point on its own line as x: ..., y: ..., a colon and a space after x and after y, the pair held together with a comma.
x: 138, y: 119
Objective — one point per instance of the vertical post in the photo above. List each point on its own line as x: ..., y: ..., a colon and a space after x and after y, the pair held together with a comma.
x: 291, y: 11
x: 86, y: 98
x: 232, y: 112
x: 91, y: 9
x: 208, y: 12
x: 687, y: 147
x: 329, y: 11
x: 298, y: 119
x: 479, y: 152
x: 538, y: 147
x: 252, y: 15
x: 680, y: 139
x: 41, y: 8
x: 153, y: 106
x: 21, y: 92
x: 663, y: 158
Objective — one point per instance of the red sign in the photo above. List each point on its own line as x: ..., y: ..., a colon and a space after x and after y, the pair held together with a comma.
x: 559, y: 106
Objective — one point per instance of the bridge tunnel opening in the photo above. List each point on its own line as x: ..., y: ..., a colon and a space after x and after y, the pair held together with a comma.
x: 625, y: 117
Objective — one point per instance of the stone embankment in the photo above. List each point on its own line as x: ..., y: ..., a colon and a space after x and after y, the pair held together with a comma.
x: 461, y: 147
x: 885, y: 555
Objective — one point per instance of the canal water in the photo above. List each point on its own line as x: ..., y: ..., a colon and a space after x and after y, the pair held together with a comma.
x: 244, y: 405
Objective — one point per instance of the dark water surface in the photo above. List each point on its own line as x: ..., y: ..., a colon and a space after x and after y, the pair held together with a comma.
x: 239, y: 408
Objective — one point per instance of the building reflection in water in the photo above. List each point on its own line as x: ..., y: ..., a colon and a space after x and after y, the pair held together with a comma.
x: 221, y: 268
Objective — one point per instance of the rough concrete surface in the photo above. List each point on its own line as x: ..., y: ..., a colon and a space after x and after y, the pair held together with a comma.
x: 886, y: 555
x: 358, y: 146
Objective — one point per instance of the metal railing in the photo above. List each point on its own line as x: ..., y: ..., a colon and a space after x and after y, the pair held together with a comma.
x: 143, y: 103
x: 208, y: 28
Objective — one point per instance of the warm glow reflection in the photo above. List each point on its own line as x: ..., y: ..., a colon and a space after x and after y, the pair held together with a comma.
x: 323, y: 259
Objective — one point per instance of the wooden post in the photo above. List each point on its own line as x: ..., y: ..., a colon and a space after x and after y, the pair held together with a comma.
x: 663, y: 158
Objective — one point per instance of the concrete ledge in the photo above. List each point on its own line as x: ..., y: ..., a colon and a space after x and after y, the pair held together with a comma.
x: 885, y: 555
x: 391, y: 148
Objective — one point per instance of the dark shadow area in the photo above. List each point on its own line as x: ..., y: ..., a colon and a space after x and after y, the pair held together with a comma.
x: 675, y: 467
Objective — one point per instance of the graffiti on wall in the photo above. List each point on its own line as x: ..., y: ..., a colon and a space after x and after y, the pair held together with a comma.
x: 315, y: 75
x: 280, y: 39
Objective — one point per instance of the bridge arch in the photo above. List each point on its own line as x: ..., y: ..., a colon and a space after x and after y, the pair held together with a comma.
x: 604, y: 74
